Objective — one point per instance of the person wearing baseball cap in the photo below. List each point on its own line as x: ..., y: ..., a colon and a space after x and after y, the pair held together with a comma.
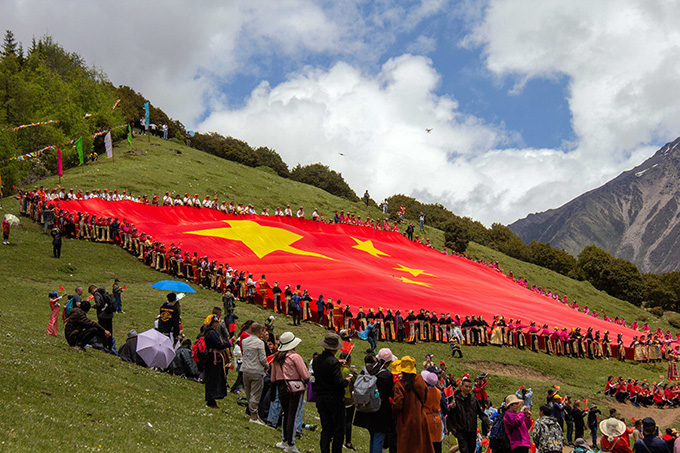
x: 379, y: 423
x: 330, y: 394
x: 650, y: 443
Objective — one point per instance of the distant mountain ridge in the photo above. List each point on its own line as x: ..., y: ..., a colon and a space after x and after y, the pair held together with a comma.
x: 635, y: 216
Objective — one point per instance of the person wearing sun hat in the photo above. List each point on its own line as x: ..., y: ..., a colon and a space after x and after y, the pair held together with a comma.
x: 517, y: 423
x: 413, y: 434
x: 330, y: 394
x: 288, y: 368
x: 380, y: 423
x: 614, y: 436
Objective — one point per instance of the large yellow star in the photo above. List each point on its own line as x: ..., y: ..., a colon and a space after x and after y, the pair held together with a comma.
x: 367, y: 246
x: 413, y: 282
x: 262, y: 240
x: 414, y: 272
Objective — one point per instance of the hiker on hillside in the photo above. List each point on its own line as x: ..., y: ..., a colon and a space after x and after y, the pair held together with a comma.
x: 254, y: 368
x: 5, y: 231
x: 54, y: 316
x: 463, y: 414
x: 379, y: 424
x: 577, y: 414
x: 348, y: 370
x: 517, y: 423
x: 104, y: 314
x: 168, y: 321
x: 117, y: 291
x: 547, y: 433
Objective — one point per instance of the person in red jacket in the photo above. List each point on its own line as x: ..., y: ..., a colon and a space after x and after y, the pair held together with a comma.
x: 480, y: 389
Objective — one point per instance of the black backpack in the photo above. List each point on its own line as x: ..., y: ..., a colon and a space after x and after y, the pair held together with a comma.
x: 109, y: 303
x: 498, y: 439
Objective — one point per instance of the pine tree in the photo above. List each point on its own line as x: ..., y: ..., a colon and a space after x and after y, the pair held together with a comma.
x: 9, y: 45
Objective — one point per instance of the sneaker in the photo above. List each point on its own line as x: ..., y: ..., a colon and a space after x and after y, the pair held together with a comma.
x: 282, y: 445
x: 291, y: 449
x: 256, y: 421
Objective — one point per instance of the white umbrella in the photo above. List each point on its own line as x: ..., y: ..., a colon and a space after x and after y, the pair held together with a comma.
x: 12, y: 219
x: 155, y: 348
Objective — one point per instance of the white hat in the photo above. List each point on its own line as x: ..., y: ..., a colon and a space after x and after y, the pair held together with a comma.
x: 612, y: 427
x: 288, y: 341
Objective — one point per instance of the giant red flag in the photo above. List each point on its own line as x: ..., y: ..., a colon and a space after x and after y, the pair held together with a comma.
x: 359, y: 265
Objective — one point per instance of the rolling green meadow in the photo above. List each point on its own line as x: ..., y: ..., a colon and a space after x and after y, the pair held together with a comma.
x: 59, y: 399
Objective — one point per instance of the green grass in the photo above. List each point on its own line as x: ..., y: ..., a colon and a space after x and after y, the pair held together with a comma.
x: 56, y: 398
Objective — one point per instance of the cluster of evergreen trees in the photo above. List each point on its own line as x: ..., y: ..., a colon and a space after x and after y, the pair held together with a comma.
x: 615, y: 276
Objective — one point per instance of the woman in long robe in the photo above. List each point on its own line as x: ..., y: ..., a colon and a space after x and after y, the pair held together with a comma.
x: 214, y: 373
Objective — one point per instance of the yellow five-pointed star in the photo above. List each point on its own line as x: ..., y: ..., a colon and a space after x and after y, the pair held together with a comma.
x: 413, y: 282
x: 262, y: 240
x: 367, y: 246
x: 414, y: 272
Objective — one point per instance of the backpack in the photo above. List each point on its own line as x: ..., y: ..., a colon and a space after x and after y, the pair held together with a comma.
x: 109, y: 303
x: 498, y: 439
x: 365, y: 394
x: 199, y: 351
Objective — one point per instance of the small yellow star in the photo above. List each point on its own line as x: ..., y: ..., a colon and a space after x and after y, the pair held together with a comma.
x: 262, y: 240
x: 413, y: 282
x: 367, y: 246
x: 414, y: 272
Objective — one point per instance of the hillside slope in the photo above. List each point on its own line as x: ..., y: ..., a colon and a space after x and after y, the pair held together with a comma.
x: 635, y: 216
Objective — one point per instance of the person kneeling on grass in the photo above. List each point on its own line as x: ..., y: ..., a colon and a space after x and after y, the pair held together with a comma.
x: 81, y: 330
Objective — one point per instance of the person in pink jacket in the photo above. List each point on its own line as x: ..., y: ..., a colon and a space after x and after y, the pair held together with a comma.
x: 517, y: 424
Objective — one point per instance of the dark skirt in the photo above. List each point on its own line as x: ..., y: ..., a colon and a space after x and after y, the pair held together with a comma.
x: 214, y: 378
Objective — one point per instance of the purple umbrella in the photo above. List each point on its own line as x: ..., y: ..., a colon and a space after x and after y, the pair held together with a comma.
x: 155, y: 348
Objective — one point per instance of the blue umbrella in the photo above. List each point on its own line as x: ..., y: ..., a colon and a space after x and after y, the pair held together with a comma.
x: 172, y: 285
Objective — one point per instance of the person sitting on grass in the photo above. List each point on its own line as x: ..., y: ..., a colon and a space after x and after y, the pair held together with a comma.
x: 81, y: 330
x: 183, y: 364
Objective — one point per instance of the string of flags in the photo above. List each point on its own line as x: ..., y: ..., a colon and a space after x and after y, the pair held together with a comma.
x: 23, y: 126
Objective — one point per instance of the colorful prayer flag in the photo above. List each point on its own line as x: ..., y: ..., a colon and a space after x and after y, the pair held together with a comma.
x: 129, y: 137
x: 79, y: 148
x: 60, y: 168
x: 108, y: 145
x: 146, y: 115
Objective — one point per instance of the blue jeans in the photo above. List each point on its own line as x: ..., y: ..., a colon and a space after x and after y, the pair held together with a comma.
x: 119, y: 304
x: 377, y: 442
x: 274, y: 410
x: 593, y: 434
x: 371, y: 341
x: 422, y: 225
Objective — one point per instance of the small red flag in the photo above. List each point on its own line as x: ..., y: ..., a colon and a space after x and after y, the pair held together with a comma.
x: 270, y: 358
x: 347, y: 347
x: 448, y: 391
x: 90, y: 298
x: 585, y: 401
x: 124, y: 287
x: 61, y: 288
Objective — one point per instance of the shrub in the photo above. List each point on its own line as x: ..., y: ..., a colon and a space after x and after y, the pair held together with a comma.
x: 657, y: 311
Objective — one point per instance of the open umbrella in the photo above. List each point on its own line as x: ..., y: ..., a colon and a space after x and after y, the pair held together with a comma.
x: 155, y: 348
x: 12, y: 219
x: 172, y: 285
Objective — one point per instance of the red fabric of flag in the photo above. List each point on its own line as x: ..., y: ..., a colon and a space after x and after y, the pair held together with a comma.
x: 359, y: 265
x: 448, y: 391
x: 347, y: 347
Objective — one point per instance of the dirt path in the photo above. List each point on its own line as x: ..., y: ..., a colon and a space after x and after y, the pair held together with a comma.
x: 514, y: 371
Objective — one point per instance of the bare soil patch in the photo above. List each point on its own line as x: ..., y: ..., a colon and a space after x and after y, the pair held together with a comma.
x: 514, y: 371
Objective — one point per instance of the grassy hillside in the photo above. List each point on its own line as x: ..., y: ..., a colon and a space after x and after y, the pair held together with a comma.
x: 92, y: 401
x: 581, y: 291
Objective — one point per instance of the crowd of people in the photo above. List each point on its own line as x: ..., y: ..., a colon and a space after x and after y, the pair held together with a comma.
x: 402, y: 408
x: 381, y: 325
x: 662, y: 394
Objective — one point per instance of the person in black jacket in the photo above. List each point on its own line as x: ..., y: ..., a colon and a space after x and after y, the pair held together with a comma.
x: 380, y: 424
x: 56, y: 242
x: 213, y: 371
x: 183, y: 364
x: 577, y: 415
x: 330, y: 394
x: 463, y: 413
x: 168, y: 323
x: 81, y: 330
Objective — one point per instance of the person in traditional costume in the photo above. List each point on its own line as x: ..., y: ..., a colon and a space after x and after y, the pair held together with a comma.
x: 521, y: 341
x: 412, y: 322
x: 497, y: 331
x: 533, y: 333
